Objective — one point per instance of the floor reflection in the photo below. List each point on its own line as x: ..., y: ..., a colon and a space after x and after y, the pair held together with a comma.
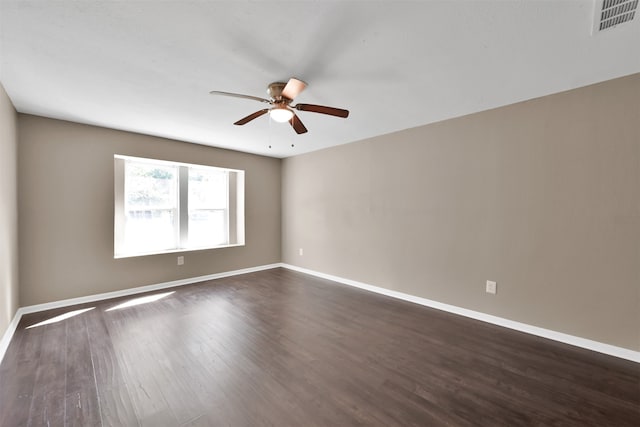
x: 141, y: 300
x: 60, y: 317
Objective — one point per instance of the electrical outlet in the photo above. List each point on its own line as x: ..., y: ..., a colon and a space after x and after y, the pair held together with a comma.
x: 300, y: 252
x: 180, y: 260
x: 492, y: 287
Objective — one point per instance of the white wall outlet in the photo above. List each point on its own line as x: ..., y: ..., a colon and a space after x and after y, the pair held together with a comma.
x: 492, y: 287
x: 180, y: 260
x: 300, y: 252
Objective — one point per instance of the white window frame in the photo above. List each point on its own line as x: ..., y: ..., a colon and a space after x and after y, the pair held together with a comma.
x: 234, y: 212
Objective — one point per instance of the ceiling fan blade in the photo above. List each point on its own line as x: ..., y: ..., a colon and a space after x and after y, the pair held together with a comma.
x: 293, y: 88
x: 251, y: 117
x: 239, y: 95
x: 297, y: 125
x: 338, y: 112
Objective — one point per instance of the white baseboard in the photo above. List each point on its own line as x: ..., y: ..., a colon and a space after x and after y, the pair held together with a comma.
x: 611, y: 350
x: 8, y: 334
x: 6, y: 338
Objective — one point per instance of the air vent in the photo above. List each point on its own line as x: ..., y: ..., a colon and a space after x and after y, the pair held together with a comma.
x: 610, y: 13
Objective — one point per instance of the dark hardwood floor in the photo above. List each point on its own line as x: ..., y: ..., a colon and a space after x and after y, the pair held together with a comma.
x: 280, y: 348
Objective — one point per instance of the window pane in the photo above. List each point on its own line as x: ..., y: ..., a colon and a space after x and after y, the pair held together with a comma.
x: 150, y: 186
x: 208, y: 207
x: 150, y: 206
x: 150, y: 230
x: 207, y: 228
x: 207, y: 189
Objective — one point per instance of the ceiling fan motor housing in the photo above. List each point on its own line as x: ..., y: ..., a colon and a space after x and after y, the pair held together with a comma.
x: 275, y: 90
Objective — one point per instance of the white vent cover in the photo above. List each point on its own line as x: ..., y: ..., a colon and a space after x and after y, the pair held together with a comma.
x: 609, y: 13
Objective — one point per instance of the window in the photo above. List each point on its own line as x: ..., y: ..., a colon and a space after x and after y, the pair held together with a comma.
x: 165, y: 206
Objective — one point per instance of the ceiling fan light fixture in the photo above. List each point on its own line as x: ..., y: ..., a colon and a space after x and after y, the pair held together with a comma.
x: 281, y: 114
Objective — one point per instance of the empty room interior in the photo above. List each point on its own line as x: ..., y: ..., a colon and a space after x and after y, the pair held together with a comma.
x: 390, y: 213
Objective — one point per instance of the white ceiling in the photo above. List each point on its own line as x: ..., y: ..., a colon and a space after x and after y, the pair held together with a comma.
x: 148, y: 66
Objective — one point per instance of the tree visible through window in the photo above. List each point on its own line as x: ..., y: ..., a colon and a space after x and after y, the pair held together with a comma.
x: 151, y: 207
x: 163, y: 206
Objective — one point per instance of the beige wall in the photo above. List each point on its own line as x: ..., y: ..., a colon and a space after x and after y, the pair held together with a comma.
x: 65, y: 175
x: 541, y: 196
x: 8, y: 212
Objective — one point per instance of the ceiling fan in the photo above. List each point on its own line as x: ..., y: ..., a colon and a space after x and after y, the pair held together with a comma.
x: 281, y: 96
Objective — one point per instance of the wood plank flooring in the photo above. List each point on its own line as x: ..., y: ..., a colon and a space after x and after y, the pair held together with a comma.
x: 280, y: 348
